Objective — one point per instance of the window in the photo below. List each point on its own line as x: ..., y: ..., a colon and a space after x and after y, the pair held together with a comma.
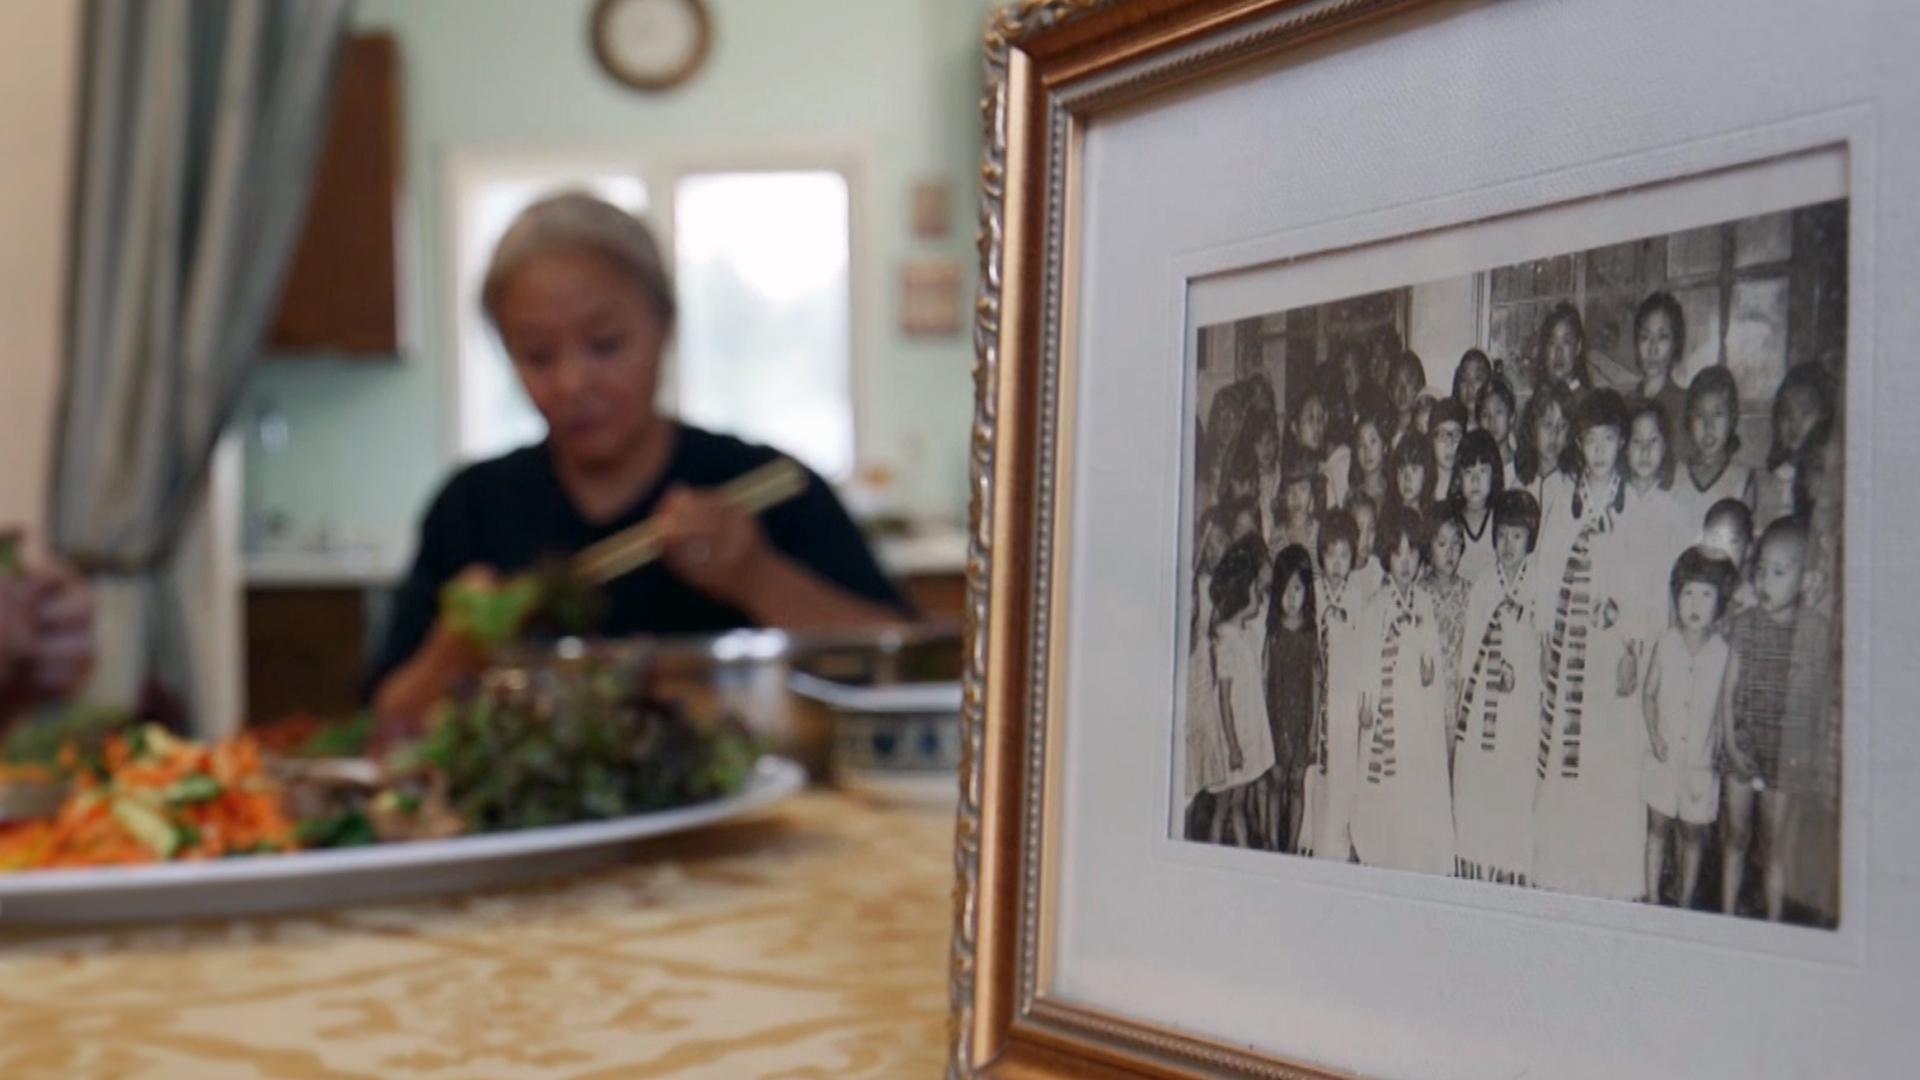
x: 762, y: 268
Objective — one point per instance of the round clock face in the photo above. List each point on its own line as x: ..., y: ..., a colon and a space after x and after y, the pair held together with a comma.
x: 651, y: 44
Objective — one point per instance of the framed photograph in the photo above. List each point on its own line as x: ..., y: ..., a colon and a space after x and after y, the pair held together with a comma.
x: 932, y: 208
x: 1431, y: 613
x: 933, y: 296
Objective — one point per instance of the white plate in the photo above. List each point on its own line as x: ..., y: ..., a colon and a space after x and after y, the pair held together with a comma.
x: 310, y: 879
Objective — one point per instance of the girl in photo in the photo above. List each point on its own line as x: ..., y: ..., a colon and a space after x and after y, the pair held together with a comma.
x: 1659, y: 526
x: 1410, y: 467
x: 1339, y: 612
x: 1713, y: 409
x: 1496, y: 412
x: 1659, y: 347
x: 1293, y: 691
x: 1386, y: 347
x: 1372, y: 428
x: 1298, y: 515
x: 1683, y: 702
x: 1541, y: 457
x: 1445, y: 428
x: 1589, y: 825
x: 1402, y: 815
x: 1728, y: 530
x: 1470, y: 377
x: 1229, y: 741
x: 1311, y: 434
x: 1448, y: 591
x: 1562, y: 352
x: 1368, y: 575
x: 1813, y: 871
x: 1406, y: 380
x: 1347, y: 382
x: 1480, y: 482
x: 1802, y: 416
x: 1497, y: 733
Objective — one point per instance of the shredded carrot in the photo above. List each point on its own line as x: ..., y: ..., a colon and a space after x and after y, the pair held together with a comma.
x: 243, y: 815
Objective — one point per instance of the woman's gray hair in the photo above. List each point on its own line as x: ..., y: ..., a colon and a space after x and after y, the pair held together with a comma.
x: 577, y: 221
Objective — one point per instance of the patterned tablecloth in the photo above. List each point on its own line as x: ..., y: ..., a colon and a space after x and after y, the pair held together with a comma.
x: 809, y: 942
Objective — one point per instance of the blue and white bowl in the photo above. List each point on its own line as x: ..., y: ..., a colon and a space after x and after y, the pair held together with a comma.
x: 899, y: 742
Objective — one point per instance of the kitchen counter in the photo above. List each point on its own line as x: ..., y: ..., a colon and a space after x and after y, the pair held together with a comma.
x: 809, y: 941
x: 382, y: 563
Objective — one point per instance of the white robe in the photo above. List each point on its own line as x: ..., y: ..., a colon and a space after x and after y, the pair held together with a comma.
x: 1493, y: 788
x: 1402, y: 818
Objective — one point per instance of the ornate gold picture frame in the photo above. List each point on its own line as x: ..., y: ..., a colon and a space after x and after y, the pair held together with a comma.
x: 1062, y: 75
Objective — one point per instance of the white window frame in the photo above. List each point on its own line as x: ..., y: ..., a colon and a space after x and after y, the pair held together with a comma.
x: 661, y: 171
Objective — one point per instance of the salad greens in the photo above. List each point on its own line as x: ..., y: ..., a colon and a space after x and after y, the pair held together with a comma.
x: 578, y: 746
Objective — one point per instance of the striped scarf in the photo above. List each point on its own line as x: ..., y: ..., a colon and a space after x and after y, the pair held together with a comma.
x: 1381, y: 761
x: 1333, y: 606
x: 1566, y: 687
x: 1489, y: 658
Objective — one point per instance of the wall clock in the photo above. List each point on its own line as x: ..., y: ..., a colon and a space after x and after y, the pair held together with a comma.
x: 652, y: 44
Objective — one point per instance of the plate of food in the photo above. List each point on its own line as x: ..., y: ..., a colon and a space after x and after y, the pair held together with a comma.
x: 526, y: 775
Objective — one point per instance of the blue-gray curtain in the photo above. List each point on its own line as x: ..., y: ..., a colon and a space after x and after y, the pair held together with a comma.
x: 199, y: 124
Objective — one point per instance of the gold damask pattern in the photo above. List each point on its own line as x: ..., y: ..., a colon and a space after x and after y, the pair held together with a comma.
x: 809, y: 943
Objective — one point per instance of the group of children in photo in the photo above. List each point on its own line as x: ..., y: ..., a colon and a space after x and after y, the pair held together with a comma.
x: 1553, y: 643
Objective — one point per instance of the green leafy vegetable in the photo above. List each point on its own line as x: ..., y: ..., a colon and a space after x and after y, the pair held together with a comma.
x: 490, y: 618
x: 198, y: 788
x: 546, y: 601
x: 37, y: 741
x: 347, y: 829
x: 581, y: 745
x: 347, y: 739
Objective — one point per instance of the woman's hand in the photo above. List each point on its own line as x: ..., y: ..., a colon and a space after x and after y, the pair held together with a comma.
x: 62, y: 618
x: 712, y: 544
x: 449, y: 654
x: 46, y: 634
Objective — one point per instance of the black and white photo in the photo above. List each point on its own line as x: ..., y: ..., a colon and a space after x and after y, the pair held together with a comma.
x: 1530, y: 574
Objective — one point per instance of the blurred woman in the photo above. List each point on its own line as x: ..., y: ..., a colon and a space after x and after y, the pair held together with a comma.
x: 581, y: 300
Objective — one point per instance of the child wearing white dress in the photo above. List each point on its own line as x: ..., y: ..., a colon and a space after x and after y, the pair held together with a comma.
x: 1368, y: 575
x: 1228, y: 740
x: 1656, y: 523
x: 1683, y: 700
x: 1497, y: 735
x: 1589, y: 818
x: 1339, y: 608
x: 1402, y: 814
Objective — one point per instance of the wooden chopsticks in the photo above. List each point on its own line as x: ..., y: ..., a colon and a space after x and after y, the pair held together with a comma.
x: 632, y: 548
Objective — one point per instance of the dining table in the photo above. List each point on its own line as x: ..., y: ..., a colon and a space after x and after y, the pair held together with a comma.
x: 808, y: 941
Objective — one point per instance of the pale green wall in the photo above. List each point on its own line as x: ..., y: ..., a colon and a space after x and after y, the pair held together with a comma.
x: 896, y: 81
